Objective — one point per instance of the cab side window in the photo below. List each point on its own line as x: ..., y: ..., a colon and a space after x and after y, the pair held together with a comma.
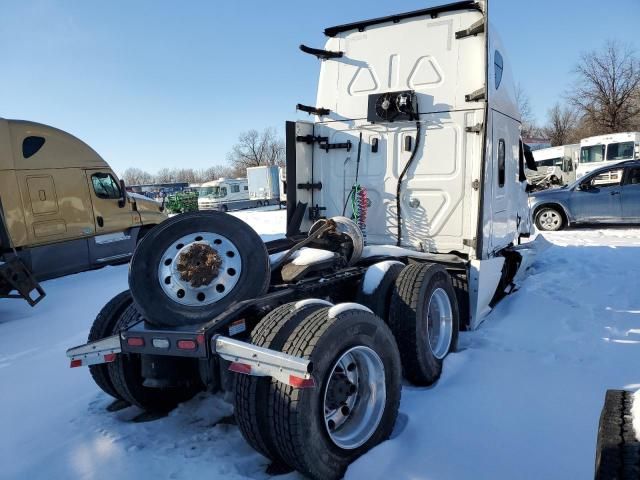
x: 501, y: 163
x: 609, y: 178
x: 31, y: 146
x: 634, y: 177
x: 105, y: 186
x: 498, y: 64
x: 235, y: 188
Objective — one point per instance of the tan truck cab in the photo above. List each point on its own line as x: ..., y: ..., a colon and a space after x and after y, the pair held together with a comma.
x: 63, y: 208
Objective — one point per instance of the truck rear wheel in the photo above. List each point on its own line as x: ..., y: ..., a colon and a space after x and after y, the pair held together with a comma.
x: 354, y: 406
x: 377, y: 286
x: 424, y: 318
x: 192, y: 267
x: 252, y: 393
x: 126, y: 375
x: 104, y: 326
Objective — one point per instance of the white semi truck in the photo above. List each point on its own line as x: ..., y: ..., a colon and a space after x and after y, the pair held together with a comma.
x: 406, y: 206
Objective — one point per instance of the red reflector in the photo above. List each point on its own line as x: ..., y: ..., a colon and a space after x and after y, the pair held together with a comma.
x: 299, y: 382
x: 240, y: 368
x: 187, y: 345
x: 109, y: 357
x: 75, y: 363
x: 200, y: 339
x: 135, y: 341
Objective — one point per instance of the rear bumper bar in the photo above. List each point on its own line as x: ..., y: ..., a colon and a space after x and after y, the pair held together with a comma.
x: 245, y: 358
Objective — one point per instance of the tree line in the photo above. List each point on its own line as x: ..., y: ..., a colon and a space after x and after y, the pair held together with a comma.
x: 604, y: 97
x: 253, y: 149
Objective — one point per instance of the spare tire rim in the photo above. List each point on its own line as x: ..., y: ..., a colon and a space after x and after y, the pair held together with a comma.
x: 199, y: 269
x: 439, y: 323
x: 354, y: 397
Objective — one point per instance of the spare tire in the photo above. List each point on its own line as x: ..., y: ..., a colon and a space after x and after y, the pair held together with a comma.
x: 192, y: 267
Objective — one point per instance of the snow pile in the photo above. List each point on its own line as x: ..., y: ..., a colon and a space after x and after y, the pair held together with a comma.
x: 530, y: 382
x: 374, y: 275
x: 520, y: 399
x: 304, y: 256
x: 308, y: 256
x: 339, y: 309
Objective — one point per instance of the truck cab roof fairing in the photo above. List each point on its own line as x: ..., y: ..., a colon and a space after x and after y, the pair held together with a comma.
x: 433, y: 11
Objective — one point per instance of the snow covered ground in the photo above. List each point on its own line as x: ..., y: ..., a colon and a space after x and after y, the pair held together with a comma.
x: 521, y: 398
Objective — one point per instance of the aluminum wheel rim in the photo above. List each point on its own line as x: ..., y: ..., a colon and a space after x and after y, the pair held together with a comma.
x: 439, y: 323
x: 183, y: 292
x: 351, y: 423
x: 549, y: 220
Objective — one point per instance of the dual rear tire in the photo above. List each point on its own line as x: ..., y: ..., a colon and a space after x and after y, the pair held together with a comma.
x: 354, y: 404
x: 358, y: 359
x: 122, y: 379
x: 421, y: 304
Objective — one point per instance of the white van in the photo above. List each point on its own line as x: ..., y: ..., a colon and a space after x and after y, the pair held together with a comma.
x: 224, y: 194
x: 604, y: 150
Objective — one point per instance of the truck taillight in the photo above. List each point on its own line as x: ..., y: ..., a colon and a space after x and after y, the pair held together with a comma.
x: 187, y: 345
x: 135, y: 341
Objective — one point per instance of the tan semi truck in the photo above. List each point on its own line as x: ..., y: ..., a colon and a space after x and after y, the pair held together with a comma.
x: 62, y: 208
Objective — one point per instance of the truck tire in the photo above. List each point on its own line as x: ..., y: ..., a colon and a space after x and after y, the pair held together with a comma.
x: 192, y: 267
x: 378, y: 297
x: 251, y: 394
x: 320, y: 431
x: 424, y: 318
x: 104, y: 326
x: 617, y: 448
x: 126, y: 374
x: 461, y: 287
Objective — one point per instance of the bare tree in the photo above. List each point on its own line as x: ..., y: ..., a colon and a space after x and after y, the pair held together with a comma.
x: 526, y: 115
x: 255, y: 149
x: 562, y: 125
x: 165, y: 175
x: 136, y: 176
x: 218, y: 171
x: 607, y: 90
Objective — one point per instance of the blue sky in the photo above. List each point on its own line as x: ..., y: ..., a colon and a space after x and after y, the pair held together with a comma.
x: 156, y: 84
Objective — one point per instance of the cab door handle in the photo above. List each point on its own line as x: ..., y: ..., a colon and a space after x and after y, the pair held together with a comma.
x: 615, y: 193
x: 100, y: 221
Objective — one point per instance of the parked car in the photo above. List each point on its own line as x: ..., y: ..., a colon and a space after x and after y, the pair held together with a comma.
x: 609, y: 195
